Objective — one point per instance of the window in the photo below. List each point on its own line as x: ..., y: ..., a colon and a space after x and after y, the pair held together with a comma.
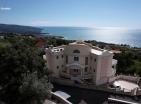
x: 75, y: 70
x: 57, y: 57
x: 57, y: 67
x: 66, y: 59
x: 86, y: 60
x: 91, y: 57
x: 64, y: 70
x: 86, y: 69
x: 95, y: 59
x: 90, y: 68
x: 76, y: 58
x: 94, y: 70
x: 76, y: 51
x: 62, y: 66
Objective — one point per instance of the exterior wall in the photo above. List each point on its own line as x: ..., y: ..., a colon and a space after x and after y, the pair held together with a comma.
x: 104, y: 66
x: 133, y: 79
x: 94, y: 66
x: 55, y: 65
x: 114, y: 65
x: 98, y: 69
x: 84, y: 52
x: 49, y: 59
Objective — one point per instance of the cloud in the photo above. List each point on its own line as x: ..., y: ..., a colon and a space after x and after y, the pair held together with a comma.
x: 5, y: 8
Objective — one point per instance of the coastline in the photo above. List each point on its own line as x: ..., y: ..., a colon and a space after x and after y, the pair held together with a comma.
x: 113, y: 36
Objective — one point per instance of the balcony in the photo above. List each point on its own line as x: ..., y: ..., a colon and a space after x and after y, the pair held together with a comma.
x: 64, y: 74
x: 87, y: 76
x: 75, y: 65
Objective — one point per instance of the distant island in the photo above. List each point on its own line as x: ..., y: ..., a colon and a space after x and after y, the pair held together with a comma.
x: 25, y: 30
x: 19, y: 29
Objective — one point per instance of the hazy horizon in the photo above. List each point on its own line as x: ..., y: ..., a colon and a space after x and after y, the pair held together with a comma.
x: 73, y: 13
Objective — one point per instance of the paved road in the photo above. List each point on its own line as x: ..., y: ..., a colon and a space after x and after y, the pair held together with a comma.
x: 88, y: 96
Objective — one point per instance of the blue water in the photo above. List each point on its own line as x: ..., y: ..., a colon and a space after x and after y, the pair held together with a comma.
x: 131, y: 37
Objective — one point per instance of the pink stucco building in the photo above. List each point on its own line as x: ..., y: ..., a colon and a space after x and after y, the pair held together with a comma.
x: 80, y: 61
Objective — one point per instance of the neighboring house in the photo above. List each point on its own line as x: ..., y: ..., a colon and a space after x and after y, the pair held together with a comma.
x: 41, y: 43
x: 1, y: 37
x: 116, y: 51
x: 81, y: 61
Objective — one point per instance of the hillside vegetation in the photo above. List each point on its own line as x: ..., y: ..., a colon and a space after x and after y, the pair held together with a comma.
x: 23, y: 74
x: 19, y: 29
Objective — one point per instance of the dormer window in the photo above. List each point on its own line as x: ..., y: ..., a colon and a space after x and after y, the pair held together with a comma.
x: 76, y: 51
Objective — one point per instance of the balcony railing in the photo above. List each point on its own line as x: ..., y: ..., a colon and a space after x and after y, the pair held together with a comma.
x: 66, y: 75
x: 87, y: 76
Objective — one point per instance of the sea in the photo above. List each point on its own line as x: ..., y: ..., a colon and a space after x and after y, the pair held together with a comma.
x: 130, y: 37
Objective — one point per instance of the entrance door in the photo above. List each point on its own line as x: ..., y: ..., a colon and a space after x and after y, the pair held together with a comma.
x: 75, y: 72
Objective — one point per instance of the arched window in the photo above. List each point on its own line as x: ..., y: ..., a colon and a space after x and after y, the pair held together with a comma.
x: 76, y: 51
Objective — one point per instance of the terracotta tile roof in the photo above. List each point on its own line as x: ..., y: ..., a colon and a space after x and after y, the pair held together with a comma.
x: 40, y: 43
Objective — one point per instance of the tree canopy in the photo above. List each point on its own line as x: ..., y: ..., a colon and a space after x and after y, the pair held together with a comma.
x: 23, y: 74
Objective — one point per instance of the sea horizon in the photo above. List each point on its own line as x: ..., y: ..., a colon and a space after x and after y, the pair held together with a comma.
x: 115, y: 35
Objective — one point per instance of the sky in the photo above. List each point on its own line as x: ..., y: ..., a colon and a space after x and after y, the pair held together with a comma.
x: 83, y: 13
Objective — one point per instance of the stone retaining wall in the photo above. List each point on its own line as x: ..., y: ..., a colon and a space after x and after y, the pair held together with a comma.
x: 127, y: 78
x: 62, y: 81
x: 130, y: 78
x: 133, y: 79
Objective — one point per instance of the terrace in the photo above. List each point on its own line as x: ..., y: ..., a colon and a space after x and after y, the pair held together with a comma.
x: 125, y: 85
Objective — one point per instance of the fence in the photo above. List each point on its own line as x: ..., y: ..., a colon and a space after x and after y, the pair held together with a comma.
x: 124, y: 77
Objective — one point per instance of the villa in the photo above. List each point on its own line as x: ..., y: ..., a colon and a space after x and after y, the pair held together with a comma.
x: 81, y: 62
